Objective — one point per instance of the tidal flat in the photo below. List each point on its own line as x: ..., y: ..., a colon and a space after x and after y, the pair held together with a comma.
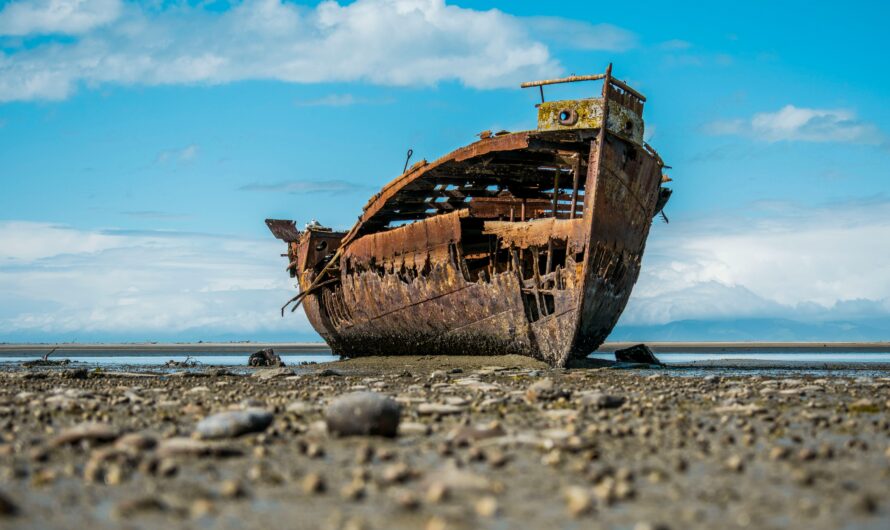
x: 480, y: 442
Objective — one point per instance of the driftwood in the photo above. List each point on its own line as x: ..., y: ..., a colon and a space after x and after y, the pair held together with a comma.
x: 189, y: 362
x: 44, y: 361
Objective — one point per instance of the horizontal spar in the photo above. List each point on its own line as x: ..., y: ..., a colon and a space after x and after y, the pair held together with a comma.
x: 575, y: 78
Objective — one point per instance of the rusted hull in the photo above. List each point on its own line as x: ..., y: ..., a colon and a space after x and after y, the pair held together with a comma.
x: 527, y: 243
x: 408, y: 291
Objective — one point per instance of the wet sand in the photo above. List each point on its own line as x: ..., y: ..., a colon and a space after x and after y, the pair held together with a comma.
x: 484, y: 442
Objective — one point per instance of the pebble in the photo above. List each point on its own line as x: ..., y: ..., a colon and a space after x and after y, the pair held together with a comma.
x: 598, y: 400
x: 166, y: 468
x: 299, y: 408
x: 181, y: 446
x: 7, y: 507
x: 864, y: 405
x: 90, y: 431
x: 412, y: 428
x: 436, y: 492
x: 487, y: 506
x: 232, y: 489
x: 397, y: 473
x: 544, y: 390
x: 735, y: 463
x: 496, y: 458
x: 313, y: 483
x: 651, y: 526
x: 273, y: 373
x: 439, y: 409
x: 201, y: 508
x: 265, y: 474
x: 467, y: 434
x: 578, y: 500
x: 136, y: 442
x: 866, y: 503
x: 354, y: 490
x: 456, y: 479
x: 132, y: 507
x: 779, y: 452
x: 233, y: 423
x: 363, y: 413
x: 405, y: 498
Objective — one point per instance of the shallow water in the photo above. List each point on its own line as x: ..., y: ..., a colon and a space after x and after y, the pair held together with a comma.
x: 158, y: 358
x: 111, y: 358
x: 776, y: 364
x: 832, y: 357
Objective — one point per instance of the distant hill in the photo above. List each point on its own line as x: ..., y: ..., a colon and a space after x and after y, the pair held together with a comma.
x: 764, y: 329
x: 761, y: 329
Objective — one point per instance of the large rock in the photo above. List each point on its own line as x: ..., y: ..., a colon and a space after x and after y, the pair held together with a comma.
x: 234, y: 423
x: 363, y: 413
x: 266, y: 357
x: 639, y: 353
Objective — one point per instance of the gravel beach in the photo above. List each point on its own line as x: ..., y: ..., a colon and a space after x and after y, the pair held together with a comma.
x: 437, y: 443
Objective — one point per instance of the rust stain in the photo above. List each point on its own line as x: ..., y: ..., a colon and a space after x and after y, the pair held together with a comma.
x: 525, y: 243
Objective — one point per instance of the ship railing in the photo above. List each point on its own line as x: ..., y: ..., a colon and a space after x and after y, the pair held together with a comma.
x: 576, y: 78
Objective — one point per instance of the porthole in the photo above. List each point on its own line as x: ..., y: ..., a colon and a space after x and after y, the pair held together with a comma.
x: 568, y: 117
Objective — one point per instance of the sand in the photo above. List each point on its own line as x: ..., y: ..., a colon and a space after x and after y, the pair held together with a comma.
x: 496, y: 442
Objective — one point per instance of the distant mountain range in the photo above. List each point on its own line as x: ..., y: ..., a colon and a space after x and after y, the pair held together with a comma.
x: 762, y: 329
x: 759, y: 329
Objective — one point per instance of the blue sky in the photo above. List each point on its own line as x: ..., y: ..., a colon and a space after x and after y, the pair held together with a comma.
x: 143, y: 144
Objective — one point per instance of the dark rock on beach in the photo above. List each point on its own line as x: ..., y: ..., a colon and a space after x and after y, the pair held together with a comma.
x: 265, y: 357
x: 639, y: 354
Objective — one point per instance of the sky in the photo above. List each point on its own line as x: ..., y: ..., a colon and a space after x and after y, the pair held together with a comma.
x: 142, y: 144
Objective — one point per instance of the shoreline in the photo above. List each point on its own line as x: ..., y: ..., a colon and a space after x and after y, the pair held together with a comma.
x: 320, y: 347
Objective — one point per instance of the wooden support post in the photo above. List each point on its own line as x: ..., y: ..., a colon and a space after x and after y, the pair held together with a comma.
x: 576, y: 170
x: 542, y: 306
x: 555, y: 193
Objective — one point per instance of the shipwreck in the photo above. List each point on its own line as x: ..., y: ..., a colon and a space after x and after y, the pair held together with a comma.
x: 520, y: 243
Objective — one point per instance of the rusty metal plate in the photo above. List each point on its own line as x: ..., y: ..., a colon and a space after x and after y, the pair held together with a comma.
x: 284, y: 229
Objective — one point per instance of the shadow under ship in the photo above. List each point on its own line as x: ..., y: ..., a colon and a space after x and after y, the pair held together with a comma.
x: 520, y: 243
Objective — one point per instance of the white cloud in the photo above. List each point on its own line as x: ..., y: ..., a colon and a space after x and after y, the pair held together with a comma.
x: 341, y: 100
x: 299, y: 187
x: 330, y: 100
x: 777, y: 261
x: 388, y: 42
x: 26, y: 241
x: 675, y: 44
x: 60, y: 281
x: 792, y: 123
x: 71, y: 17
x: 581, y: 35
x: 780, y: 260
x: 185, y: 154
